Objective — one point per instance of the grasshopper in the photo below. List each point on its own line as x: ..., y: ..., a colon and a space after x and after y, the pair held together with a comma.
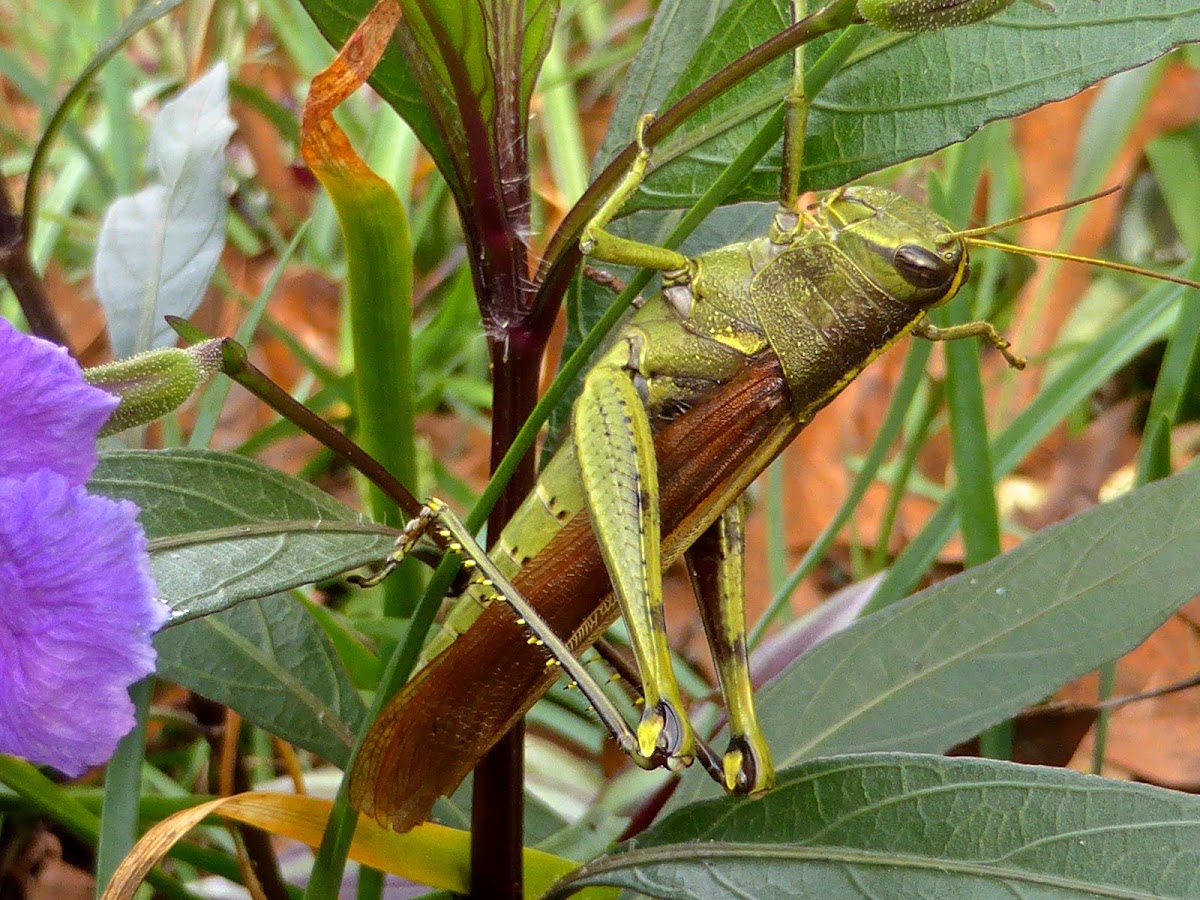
x: 737, y: 352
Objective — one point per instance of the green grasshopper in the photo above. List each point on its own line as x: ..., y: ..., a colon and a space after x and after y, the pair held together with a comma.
x: 818, y: 298
x: 703, y: 386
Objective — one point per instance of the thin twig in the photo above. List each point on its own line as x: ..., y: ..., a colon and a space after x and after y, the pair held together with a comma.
x: 236, y: 364
x: 1073, y: 706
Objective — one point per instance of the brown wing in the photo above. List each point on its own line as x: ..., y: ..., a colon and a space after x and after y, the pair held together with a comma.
x: 438, y: 727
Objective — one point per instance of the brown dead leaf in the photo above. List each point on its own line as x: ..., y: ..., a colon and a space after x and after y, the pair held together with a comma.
x: 462, y: 447
x: 40, y: 873
x: 76, y: 307
x: 307, y: 304
x: 1042, y: 737
x: 1155, y: 740
x: 1082, y: 464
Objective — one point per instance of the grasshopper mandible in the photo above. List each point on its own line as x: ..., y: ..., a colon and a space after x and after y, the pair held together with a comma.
x: 742, y: 346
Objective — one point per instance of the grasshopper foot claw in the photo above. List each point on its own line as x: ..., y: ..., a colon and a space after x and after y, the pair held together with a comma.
x: 747, y: 769
x: 665, y: 736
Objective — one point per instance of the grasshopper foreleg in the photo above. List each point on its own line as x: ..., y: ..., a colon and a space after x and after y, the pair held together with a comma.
x: 986, y: 330
x: 601, y: 244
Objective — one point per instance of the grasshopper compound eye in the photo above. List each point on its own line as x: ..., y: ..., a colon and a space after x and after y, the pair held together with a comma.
x: 923, y: 268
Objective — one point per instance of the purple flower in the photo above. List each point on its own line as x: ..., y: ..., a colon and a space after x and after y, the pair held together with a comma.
x: 49, y: 416
x: 77, y: 607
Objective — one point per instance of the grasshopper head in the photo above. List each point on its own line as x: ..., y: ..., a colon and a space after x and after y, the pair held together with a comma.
x: 905, y: 249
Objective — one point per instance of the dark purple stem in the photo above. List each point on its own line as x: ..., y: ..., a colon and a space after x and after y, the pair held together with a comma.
x: 498, y: 801
x: 18, y: 270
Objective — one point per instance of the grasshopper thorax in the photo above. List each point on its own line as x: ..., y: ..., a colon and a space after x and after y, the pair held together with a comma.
x: 911, y: 254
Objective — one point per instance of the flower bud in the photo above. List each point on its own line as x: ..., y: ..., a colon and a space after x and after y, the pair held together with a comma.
x: 933, y: 15
x: 153, y: 383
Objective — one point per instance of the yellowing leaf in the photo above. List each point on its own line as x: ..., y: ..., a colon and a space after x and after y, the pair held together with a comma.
x: 431, y: 854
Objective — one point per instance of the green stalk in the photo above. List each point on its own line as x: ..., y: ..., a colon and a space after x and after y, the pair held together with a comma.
x: 970, y: 450
x: 925, y: 409
x: 560, y: 117
x: 379, y: 285
x: 379, y: 288
x: 375, y: 233
x: 117, y: 82
x: 122, y: 791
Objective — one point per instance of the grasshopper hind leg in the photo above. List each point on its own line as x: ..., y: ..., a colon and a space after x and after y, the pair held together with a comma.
x: 615, y: 450
x: 439, y: 521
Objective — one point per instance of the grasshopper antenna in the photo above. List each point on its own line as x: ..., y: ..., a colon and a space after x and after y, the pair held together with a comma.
x: 974, y: 237
x: 969, y: 233
x: 1088, y: 260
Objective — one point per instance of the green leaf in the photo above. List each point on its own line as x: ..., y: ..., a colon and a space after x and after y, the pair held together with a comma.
x: 938, y: 667
x: 900, y: 825
x: 899, y: 97
x: 271, y: 662
x: 224, y: 529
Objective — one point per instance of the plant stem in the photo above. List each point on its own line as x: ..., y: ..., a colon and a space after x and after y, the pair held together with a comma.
x: 498, y: 800
x: 237, y: 366
x: 18, y: 270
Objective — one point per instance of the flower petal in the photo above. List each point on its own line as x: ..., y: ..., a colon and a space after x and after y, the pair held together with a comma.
x: 77, y: 612
x: 50, y: 417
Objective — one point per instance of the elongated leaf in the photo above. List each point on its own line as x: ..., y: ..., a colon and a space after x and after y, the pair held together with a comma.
x: 900, y: 97
x: 430, y: 854
x: 270, y: 661
x: 939, y: 667
x: 393, y: 78
x: 375, y: 234
x: 158, y: 248
x: 224, y: 529
x: 899, y: 825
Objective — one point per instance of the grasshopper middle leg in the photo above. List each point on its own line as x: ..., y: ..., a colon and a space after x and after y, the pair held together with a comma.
x: 716, y: 565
